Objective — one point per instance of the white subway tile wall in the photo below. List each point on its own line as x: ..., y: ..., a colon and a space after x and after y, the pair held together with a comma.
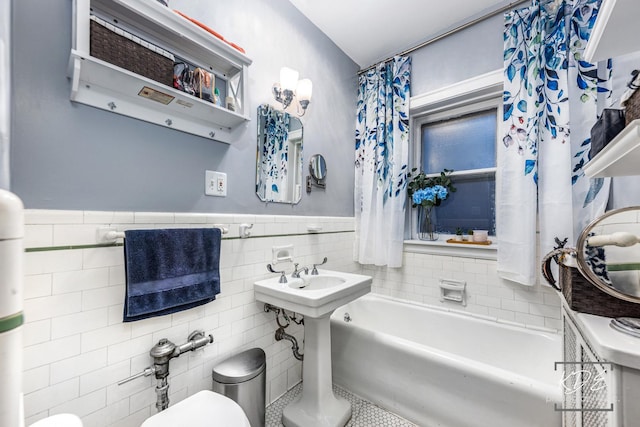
x: 77, y: 348
x: 487, y: 295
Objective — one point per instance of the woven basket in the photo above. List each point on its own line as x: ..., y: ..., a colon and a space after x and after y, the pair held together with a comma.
x: 125, y: 53
x: 632, y: 107
x: 584, y: 297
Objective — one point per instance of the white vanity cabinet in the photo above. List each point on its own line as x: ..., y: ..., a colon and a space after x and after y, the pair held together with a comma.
x: 613, y: 35
x: 614, y: 31
x: 601, y: 378
x: 103, y: 85
x: 620, y: 157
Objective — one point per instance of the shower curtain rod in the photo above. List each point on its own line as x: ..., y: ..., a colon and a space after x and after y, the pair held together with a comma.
x: 452, y: 31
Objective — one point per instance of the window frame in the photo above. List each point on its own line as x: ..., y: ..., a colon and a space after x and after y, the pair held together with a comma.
x: 480, y: 93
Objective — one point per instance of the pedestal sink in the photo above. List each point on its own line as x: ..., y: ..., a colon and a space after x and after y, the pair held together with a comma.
x: 315, y: 297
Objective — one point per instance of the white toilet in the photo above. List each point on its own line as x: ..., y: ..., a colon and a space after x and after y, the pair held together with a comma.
x: 203, y: 409
x: 60, y: 420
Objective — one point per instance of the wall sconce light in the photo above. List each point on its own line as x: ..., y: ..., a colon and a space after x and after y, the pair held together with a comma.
x: 291, y: 88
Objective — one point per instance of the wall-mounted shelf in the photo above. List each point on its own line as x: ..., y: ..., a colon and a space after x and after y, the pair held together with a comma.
x: 613, y: 33
x: 620, y: 157
x: 109, y: 87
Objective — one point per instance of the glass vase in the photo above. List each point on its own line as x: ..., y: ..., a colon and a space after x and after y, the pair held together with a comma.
x: 426, y: 224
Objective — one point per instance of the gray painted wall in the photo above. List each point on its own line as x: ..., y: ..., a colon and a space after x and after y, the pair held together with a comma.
x: 71, y: 156
x: 465, y: 54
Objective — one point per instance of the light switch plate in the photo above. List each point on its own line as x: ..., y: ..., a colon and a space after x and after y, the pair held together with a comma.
x: 215, y: 183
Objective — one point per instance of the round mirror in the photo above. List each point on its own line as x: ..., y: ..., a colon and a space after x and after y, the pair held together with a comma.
x: 609, y: 254
x: 317, y: 167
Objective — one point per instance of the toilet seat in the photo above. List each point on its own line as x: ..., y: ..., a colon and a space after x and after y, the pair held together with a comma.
x: 203, y: 409
x: 60, y: 420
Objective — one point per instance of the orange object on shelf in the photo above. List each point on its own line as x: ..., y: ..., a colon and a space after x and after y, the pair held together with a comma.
x: 235, y: 46
x: 466, y: 242
x: 209, y: 30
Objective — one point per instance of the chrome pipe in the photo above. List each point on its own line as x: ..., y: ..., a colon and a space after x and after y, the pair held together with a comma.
x: 196, y: 340
x: 162, y: 392
x: 147, y: 371
x: 282, y: 335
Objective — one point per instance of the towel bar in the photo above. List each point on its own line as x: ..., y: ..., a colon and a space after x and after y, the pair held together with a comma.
x: 106, y: 235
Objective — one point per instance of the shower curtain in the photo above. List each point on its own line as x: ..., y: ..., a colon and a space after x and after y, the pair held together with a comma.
x: 550, y: 104
x: 381, y: 158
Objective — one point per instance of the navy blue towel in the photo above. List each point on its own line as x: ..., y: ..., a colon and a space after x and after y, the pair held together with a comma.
x: 170, y: 270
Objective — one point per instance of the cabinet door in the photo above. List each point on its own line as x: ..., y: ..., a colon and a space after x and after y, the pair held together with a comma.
x: 589, y: 383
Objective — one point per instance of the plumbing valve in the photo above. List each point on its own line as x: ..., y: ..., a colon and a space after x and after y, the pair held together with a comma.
x: 162, y: 353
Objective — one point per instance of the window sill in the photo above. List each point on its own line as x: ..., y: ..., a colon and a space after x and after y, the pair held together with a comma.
x: 441, y: 247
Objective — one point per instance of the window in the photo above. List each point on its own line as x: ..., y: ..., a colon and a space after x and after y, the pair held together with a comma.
x: 463, y: 139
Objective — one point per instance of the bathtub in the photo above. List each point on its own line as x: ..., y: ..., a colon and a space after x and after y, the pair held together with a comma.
x: 441, y: 368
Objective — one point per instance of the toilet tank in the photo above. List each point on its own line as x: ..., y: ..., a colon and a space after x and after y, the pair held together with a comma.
x: 11, y: 272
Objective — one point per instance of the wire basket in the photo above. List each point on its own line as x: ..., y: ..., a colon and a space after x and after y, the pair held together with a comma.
x: 118, y: 47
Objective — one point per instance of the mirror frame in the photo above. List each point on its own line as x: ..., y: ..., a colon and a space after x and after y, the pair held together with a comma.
x: 320, y: 160
x: 583, y: 266
x: 312, y: 180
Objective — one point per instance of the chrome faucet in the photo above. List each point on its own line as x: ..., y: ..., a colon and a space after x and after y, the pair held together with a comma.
x: 283, y: 276
x: 296, y: 272
x: 314, y: 272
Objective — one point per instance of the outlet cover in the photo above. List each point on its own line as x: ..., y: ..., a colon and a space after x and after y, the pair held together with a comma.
x: 215, y: 183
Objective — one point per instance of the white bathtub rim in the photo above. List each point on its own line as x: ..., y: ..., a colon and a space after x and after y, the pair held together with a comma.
x: 550, y: 391
x: 550, y: 387
x: 463, y: 313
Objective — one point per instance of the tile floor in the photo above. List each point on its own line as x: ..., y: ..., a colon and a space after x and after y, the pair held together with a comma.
x: 364, y: 414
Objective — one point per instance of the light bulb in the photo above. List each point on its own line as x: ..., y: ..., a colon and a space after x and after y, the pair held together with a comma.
x: 288, y: 78
x: 303, y: 91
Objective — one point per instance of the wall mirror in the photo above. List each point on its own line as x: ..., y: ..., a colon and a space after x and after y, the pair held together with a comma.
x: 608, y: 253
x: 279, y: 156
x: 317, y: 172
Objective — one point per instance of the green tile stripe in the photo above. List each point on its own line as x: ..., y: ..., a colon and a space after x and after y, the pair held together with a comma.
x: 11, y: 322
x: 70, y: 247
x: 111, y: 245
x: 624, y: 267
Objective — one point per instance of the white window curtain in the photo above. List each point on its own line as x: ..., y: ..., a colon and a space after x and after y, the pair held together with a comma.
x: 550, y: 104
x: 381, y: 162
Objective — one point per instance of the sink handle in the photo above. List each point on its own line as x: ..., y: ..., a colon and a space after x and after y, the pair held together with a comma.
x: 314, y: 272
x: 283, y: 277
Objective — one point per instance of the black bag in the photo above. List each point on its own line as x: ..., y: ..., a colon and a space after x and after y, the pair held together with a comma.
x: 610, y: 124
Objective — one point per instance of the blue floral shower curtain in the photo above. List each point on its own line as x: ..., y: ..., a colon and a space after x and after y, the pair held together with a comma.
x: 382, y: 154
x: 550, y: 104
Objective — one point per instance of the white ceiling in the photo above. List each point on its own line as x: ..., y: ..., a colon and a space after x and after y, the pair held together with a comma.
x: 372, y: 30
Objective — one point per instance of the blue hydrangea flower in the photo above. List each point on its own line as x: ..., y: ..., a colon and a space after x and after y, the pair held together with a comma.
x: 417, y: 197
x: 441, y: 192
x: 430, y: 194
